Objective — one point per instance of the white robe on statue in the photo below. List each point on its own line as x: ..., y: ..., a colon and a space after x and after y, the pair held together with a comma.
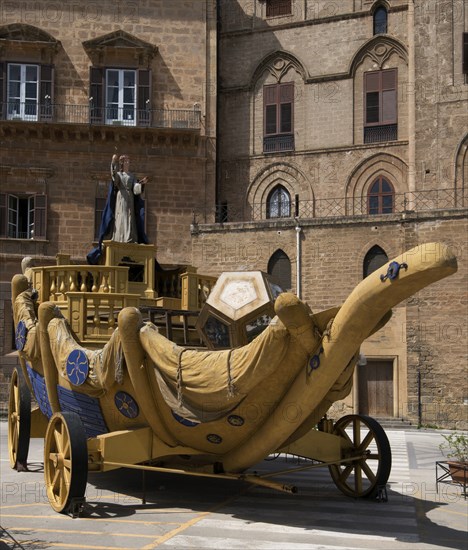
x: 125, y: 228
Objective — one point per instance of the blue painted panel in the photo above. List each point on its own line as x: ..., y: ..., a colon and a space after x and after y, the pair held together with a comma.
x: 87, y: 408
x: 40, y: 391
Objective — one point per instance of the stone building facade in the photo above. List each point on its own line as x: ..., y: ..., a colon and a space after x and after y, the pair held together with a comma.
x: 80, y: 81
x: 343, y: 142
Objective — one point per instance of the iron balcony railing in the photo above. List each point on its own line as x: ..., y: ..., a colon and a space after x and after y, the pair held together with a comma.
x: 111, y: 116
x: 276, y: 144
x: 419, y: 201
x: 378, y: 134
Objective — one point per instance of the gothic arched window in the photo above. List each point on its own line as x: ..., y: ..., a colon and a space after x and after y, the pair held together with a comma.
x: 381, y: 197
x: 279, y: 203
x: 380, y: 20
x: 374, y: 259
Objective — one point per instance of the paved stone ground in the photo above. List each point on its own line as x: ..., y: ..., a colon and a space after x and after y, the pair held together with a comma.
x: 193, y: 513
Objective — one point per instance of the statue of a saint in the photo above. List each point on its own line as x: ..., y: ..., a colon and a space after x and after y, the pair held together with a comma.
x: 123, y: 216
x: 127, y: 186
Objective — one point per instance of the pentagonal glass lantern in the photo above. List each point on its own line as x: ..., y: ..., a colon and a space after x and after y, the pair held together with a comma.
x: 239, y: 307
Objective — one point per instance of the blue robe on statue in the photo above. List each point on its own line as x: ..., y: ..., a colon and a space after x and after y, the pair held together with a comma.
x: 107, y: 223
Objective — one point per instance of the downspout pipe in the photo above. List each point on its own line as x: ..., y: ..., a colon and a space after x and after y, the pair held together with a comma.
x: 298, y: 259
x: 411, y: 97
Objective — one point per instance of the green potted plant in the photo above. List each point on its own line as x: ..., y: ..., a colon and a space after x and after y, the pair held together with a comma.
x: 455, y: 449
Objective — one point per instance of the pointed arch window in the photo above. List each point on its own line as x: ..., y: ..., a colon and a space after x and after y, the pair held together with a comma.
x: 279, y: 268
x: 375, y: 258
x: 380, y: 20
x: 381, y: 197
x: 279, y: 203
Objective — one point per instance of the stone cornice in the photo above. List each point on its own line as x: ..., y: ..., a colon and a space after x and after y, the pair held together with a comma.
x: 307, y: 23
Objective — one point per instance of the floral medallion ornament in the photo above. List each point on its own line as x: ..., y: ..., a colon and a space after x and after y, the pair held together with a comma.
x: 77, y: 367
x: 126, y: 405
x: 20, y: 336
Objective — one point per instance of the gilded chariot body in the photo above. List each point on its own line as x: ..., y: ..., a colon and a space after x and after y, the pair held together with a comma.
x: 135, y: 399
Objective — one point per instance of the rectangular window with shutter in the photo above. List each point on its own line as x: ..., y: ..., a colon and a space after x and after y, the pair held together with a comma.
x: 380, y: 106
x: 22, y: 91
x: 120, y: 96
x: 278, y: 115
x: 23, y: 216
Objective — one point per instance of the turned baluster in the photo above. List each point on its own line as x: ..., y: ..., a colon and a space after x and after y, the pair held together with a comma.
x: 72, y: 281
x: 111, y: 319
x: 53, y: 286
x: 84, y: 275
x: 104, y: 283
x: 61, y: 280
x: 96, y: 319
x: 95, y: 287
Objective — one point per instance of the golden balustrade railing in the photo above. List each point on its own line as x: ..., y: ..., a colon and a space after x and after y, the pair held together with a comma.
x: 54, y: 282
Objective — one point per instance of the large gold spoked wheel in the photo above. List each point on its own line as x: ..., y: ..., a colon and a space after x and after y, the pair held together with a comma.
x: 369, y: 458
x: 65, y: 460
x: 19, y: 421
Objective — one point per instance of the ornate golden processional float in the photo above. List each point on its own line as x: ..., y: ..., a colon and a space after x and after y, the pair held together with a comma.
x: 113, y: 392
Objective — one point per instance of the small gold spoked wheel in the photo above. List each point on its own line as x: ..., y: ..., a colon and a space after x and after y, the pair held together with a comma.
x: 65, y: 460
x: 19, y: 421
x: 368, y: 456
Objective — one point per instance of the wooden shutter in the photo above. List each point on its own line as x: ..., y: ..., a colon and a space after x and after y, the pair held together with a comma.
x: 286, y: 98
x: 46, y: 92
x: 143, y: 97
x: 2, y: 91
x: 380, y: 97
x: 371, y: 98
x: 3, y: 214
x: 270, y: 106
x: 96, y: 92
x: 465, y: 52
x: 40, y: 216
x: 388, y: 114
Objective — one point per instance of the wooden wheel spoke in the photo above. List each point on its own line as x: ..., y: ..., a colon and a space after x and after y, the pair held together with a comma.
x: 356, y: 432
x: 15, y: 396
x: 55, y: 479
x: 366, y: 442
x: 368, y: 472
x: 358, y: 478
x: 67, y: 476
x: 63, y: 488
x: 58, y: 438
x: 15, y: 433
x: 67, y: 463
x: 344, y: 474
x: 344, y: 434
x: 66, y: 449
